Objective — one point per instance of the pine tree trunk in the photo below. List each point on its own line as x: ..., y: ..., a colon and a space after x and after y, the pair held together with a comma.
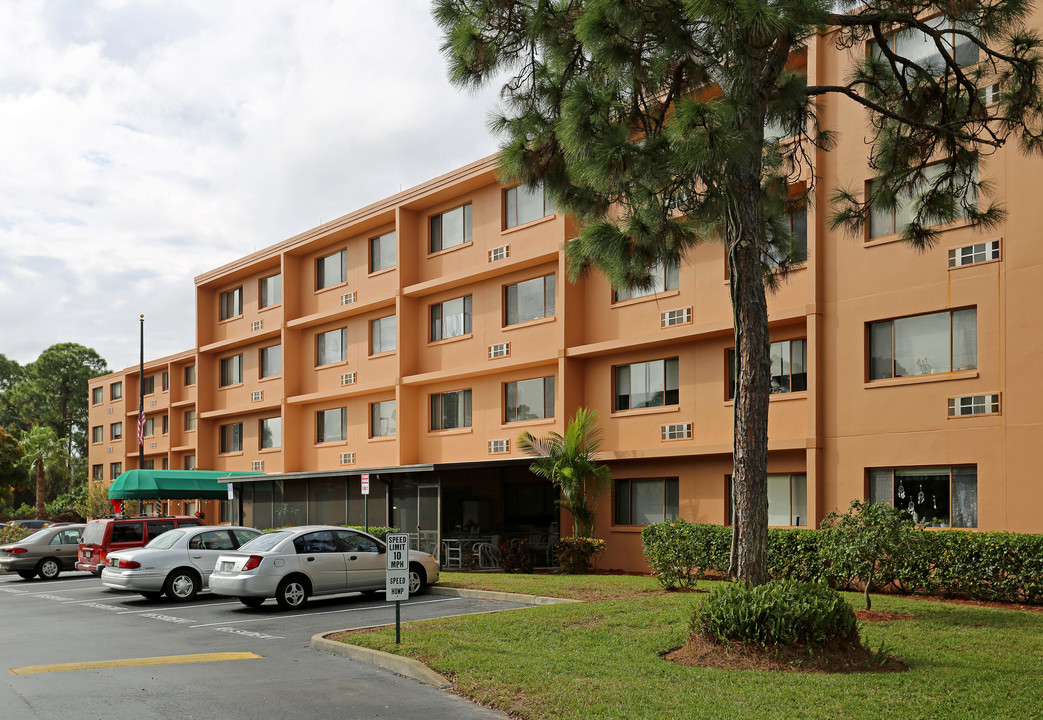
x: 41, y: 480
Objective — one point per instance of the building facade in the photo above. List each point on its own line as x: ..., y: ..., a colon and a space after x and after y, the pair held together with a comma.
x: 415, y: 339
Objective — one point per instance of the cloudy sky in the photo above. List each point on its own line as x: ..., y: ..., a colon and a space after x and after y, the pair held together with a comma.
x: 143, y: 142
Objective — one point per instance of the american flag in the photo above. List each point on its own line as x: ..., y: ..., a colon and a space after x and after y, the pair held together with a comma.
x: 141, y: 423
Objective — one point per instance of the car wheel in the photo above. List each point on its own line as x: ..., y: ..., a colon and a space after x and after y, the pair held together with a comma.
x: 49, y: 568
x: 181, y: 585
x: 27, y: 574
x: 251, y: 602
x: 152, y: 595
x: 417, y: 579
x: 292, y: 593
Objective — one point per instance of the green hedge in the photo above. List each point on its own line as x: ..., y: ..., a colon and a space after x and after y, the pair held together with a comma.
x: 983, y: 565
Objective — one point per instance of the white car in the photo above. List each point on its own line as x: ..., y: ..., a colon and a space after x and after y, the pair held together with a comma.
x: 178, y: 562
x: 294, y: 564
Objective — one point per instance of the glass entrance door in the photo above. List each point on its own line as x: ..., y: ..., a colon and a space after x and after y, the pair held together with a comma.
x: 417, y: 510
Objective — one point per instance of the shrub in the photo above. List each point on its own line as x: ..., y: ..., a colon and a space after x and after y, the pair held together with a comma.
x: 516, y: 556
x: 575, y: 553
x: 380, y: 532
x: 13, y: 534
x: 681, y: 552
x: 794, y: 555
x: 780, y: 612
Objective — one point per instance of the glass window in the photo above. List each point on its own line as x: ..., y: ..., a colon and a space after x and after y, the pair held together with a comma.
x: 451, y: 410
x: 270, y: 291
x: 382, y: 252
x: 887, y: 221
x: 451, y: 318
x: 271, y: 432
x: 331, y: 270
x: 149, y: 386
x: 97, y: 395
x: 190, y: 375
x: 787, y: 500
x: 116, y: 431
x: 331, y: 425
x: 232, y: 438
x: 98, y: 433
x: 190, y: 419
x: 529, y: 399
x: 789, y: 367
x: 934, y: 496
x: 920, y: 48
x: 271, y: 361
x: 150, y: 427
x: 190, y: 462
x: 797, y: 251
x: 382, y: 419
x: 116, y: 391
x: 382, y: 335
x: 166, y: 380
x: 149, y: 465
x: 116, y: 469
x: 98, y: 472
x: 331, y: 347
x: 924, y: 344
x: 451, y: 228
x: 644, y: 502
x: 529, y: 300
x: 166, y: 424
x: 663, y: 278
x: 647, y: 384
x: 232, y: 303
x: 523, y: 205
x: 127, y: 532
x: 231, y: 370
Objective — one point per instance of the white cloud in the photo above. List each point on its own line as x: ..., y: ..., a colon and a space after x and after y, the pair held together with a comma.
x: 147, y: 142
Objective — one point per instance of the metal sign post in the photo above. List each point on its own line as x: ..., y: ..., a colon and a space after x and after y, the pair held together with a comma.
x: 397, y: 584
x: 365, y: 497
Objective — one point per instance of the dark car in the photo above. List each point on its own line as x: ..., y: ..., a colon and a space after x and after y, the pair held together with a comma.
x: 106, y: 535
x: 31, y: 524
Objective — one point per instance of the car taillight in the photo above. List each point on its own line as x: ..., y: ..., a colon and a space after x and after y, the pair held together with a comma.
x: 127, y: 564
x: 252, y: 562
x: 16, y: 551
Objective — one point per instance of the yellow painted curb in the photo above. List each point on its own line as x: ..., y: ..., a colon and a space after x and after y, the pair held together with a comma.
x: 136, y: 662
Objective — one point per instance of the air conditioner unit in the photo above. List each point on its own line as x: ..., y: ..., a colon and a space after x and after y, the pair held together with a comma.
x: 257, y: 396
x: 675, y: 317
x: 348, y: 298
x: 347, y: 378
x: 154, y: 403
x: 677, y: 431
x: 152, y: 446
x: 500, y: 253
x: 499, y: 446
x: 347, y: 458
x: 257, y: 465
x: 499, y: 351
x: 110, y: 411
x: 256, y: 325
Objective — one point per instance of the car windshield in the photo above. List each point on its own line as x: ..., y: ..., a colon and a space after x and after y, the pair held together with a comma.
x: 166, y: 540
x: 265, y: 542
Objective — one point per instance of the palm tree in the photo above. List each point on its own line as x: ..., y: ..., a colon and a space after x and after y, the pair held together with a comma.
x: 42, y: 450
x: 568, y: 462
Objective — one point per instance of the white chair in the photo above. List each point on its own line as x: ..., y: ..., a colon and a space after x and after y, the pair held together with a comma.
x: 488, y: 556
x: 451, y: 554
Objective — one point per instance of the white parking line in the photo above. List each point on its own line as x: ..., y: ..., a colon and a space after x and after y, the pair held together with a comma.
x: 326, y: 612
x: 183, y: 607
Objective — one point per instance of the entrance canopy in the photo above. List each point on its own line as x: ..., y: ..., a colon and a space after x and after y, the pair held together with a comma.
x: 173, y: 484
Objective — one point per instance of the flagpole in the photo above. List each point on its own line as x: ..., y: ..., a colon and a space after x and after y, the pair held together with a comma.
x: 141, y: 395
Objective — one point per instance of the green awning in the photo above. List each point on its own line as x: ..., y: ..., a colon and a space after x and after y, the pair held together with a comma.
x: 172, y: 484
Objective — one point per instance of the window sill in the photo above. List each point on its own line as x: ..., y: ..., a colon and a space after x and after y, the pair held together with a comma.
x: 646, y: 298
x: 223, y: 321
x: 231, y: 387
x: 454, y: 248
x: 383, y: 438
x: 777, y: 397
x: 636, y: 529
x: 520, y: 423
x: 529, y: 224
x: 335, y: 363
x: 455, y: 338
x: 382, y: 271
x: 386, y: 353
x: 330, y: 443
x: 232, y: 453
x: 450, y: 431
x: 270, y: 378
x: 917, y: 379
x: 273, y: 306
x: 897, y: 237
x: 530, y: 323
x: 330, y: 288
x: 269, y: 451
x: 645, y: 411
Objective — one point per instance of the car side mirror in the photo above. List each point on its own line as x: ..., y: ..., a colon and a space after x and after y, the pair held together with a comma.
x: 381, y: 549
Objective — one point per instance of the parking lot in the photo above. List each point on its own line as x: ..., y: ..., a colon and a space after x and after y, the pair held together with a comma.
x: 73, y: 619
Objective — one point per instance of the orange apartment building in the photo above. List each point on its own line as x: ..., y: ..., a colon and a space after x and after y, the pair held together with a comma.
x: 417, y: 338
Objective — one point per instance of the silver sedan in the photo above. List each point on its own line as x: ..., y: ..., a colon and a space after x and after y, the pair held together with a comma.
x: 45, y: 553
x: 178, y: 562
x: 294, y: 564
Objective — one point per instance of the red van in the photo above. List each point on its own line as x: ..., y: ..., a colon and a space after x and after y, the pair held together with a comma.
x: 106, y: 535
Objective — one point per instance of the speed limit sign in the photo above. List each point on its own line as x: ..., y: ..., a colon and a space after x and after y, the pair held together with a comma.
x: 397, y: 584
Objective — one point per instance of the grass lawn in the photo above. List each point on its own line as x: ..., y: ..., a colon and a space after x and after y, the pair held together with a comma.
x: 601, y: 658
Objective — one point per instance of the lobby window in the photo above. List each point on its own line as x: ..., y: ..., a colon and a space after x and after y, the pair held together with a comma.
x: 664, y: 277
x: 646, y: 501
x: 331, y: 270
x: 116, y: 469
x: 529, y: 300
x: 97, y: 395
x: 451, y: 318
x: 98, y: 433
x: 888, y: 221
x: 98, y: 472
x: 271, y: 432
x: 116, y: 391
x: 150, y: 385
x: 331, y: 347
x: 150, y: 427
x: 331, y: 425
x: 190, y: 419
x: 789, y: 367
x: 270, y: 290
x: 271, y: 361
x: 231, y: 370
x: 190, y: 375
x: 924, y: 344
x: 647, y: 384
x: 382, y: 252
x: 934, y: 496
x: 382, y: 335
x: 382, y: 419
x: 232, y: 303
x: 451, y: 410
x: 190, y: 462
x: 232, y: 438
x: 116, y: 431
x: 522, y: 205
x: 529, y: 399
x: 451, y: 228
x: 787, y: 500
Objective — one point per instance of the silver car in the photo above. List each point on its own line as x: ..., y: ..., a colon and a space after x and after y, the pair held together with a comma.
x: 294, y: 564
x: 178, y: 562
x: 45, y: 553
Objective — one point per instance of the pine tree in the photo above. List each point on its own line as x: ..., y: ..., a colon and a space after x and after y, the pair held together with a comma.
x: 646, y: 120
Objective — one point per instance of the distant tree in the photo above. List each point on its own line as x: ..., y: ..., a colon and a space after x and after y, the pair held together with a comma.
x: 569, y: 462
x: 42, y: 450
x: 11, y: 478
x: 10, y: 372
